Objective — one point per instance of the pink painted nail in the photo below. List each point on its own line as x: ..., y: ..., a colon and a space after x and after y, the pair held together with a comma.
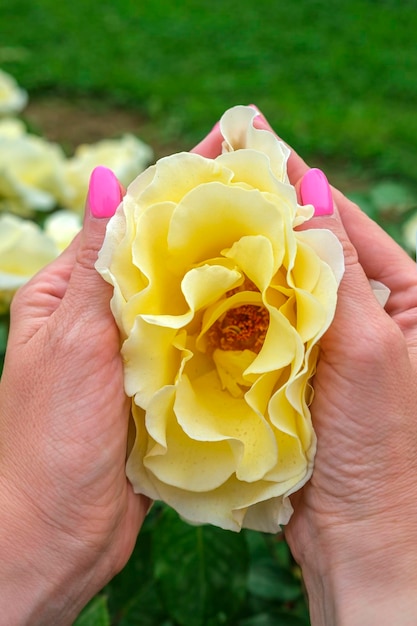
x: 104, y: 193
x: 315, y: 190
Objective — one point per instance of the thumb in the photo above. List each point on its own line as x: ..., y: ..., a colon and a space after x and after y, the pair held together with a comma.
x: 86, y: 289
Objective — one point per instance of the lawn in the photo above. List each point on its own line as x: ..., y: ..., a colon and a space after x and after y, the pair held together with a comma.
x: 337, y: 78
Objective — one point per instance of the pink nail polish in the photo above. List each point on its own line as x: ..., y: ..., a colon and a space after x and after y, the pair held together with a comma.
x: 315, y: 190
x: 104, y: 194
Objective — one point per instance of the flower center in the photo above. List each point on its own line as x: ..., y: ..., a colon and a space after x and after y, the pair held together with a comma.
x: 241, y: 328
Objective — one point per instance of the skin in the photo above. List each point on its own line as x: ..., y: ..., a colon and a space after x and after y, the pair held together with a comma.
x: 63, y: 419
x: 354, y: 529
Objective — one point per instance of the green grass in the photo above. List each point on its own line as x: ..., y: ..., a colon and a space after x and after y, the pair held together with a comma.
x: 337, y: 78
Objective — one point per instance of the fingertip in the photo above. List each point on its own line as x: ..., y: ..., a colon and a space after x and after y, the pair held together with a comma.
x: 104, y: 193
x: 211, y: 146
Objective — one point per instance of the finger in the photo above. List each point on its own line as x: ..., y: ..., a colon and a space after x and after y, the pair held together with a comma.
x: 381, y: 257
x: 211, y: 146
x: 358, y: 312
x: 87, y: 293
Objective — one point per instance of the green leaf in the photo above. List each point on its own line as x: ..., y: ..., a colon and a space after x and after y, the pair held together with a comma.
x: 201, y: 571
x: 275, y: 618
x: 133, y: 594
x: 270, y: 581
x: 364, y: 202
x: 4, y: 332
x: 95, y: 613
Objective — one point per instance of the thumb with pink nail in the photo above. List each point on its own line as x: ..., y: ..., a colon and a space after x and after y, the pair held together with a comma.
x: 63, y: 423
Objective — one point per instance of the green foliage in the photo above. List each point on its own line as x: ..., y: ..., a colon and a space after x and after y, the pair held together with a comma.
x: 4, y: 330
x: 394, y: 206
x: 182, y: 575
x: 95, y: 614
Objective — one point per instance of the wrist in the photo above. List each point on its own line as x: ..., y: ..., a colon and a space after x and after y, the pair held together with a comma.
x: 362, y: 575
x: 41, y: 580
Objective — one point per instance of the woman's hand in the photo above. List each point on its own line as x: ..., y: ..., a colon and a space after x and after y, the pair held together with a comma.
x: 69, y: 516
x: 354, y: 529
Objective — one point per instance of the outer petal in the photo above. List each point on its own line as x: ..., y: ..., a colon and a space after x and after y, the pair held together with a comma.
x: 239, y: 132
x: 151, y: 360
x: 195, y: 235
x: 173, y: 177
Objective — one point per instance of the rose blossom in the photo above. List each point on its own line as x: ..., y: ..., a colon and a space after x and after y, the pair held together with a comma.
x: 24, y: 250
x: 31, y: 173
x: 62, y: 226
x: 126, y: 157
x: 220, y: 305
x: 12, y: 98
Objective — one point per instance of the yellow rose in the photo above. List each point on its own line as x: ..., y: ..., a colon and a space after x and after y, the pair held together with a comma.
x: 31, y: 173
x: 24, y: 250
x: 220, y: 305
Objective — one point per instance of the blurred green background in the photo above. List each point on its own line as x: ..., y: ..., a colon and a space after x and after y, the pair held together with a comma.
x: 338, y: 81
x: 336, y: 78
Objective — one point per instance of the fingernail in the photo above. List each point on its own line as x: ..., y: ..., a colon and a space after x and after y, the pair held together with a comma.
x: 315, y: 190
x: 104, y: 193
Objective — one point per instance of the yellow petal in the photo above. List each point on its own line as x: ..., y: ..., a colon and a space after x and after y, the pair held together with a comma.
x: 255, y: 258
x: 212, y: 217
x: 253, y: 169
x: 151, y: 360
x: 239, y: 132
x: 206, y: 284
x: 230, y: 365
x: 282, y: 346
x: 189, y: 464
x: 172, y: 177
x: 208, y: 413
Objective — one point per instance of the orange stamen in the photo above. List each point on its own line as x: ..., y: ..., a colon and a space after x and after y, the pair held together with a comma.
x: 241, y: 328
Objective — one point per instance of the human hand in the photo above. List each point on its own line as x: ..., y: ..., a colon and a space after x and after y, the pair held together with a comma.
x: 69, y: 516
x: 360, y: 508
x: 355, y: 523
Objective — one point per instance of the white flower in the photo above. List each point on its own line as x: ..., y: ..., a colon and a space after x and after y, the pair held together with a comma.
x: 31, y: 173
x: 126, y: 157
x: 62, y: 227
x: 410, y: 233
x: 24, y: 250
x: 11, y: 127
x: 12, y: 98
